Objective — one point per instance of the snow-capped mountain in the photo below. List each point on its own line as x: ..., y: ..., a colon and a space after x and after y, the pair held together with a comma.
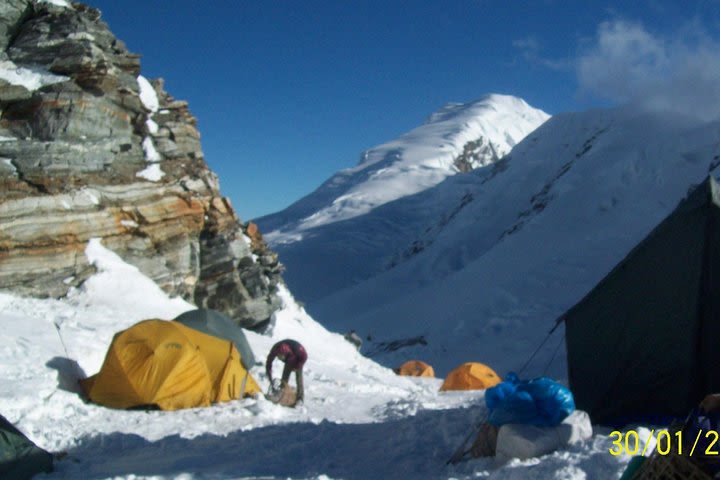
x: 506, y: 249
x: 332, y: 221
x: 458, y: 137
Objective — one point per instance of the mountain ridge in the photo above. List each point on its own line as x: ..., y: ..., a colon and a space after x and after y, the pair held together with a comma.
x: 456, y: 138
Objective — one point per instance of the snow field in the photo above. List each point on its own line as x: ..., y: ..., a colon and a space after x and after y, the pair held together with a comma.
x: 359, y: 420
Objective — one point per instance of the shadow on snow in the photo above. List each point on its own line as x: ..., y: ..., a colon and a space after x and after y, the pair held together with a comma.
x: 412, y: 447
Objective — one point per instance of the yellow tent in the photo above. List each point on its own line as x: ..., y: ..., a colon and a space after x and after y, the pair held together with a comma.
x: 416, y: 368
x: 163, y: 363
x: 471, y: 376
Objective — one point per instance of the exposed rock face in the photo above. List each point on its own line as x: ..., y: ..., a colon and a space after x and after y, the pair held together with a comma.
x: 477, y: 154
x: 90, y: 149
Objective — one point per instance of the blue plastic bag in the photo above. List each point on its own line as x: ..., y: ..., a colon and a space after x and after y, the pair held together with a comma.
x: 494, y: 396
x: 541, y: 401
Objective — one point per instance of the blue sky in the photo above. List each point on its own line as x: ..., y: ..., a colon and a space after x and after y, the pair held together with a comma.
x: 288, y: 92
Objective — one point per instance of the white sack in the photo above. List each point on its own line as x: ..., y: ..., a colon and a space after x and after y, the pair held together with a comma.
x: 523, y: 441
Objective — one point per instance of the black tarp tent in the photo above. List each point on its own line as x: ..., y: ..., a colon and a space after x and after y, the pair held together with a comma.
x: 215, y: 323
x: 645, y: 342
x: 20, y: 458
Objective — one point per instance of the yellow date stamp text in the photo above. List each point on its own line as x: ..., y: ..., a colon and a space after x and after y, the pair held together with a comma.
x: 705, y: 442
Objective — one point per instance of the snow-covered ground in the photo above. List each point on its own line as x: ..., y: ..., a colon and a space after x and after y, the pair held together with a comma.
x: 359, y: 421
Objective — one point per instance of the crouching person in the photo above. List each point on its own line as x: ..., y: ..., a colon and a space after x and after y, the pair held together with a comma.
x: 293, y: 354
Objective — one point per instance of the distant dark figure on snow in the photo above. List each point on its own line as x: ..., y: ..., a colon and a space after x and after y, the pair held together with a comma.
x: 293, y: 354
x: 354, y: 338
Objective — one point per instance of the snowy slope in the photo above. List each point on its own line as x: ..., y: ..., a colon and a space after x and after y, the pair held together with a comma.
x: 360, y: 421
x: 332, y: 222
x: 524, y: 240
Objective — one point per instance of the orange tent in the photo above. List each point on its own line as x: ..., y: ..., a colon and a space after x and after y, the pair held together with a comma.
x: 416, y: 368
x: 471, y: 376
x: 163, y: 363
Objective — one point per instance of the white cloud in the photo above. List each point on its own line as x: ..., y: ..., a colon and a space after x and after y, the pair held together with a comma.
x: 530, y: 49
x: 527, y: 44
x: 679, y: 72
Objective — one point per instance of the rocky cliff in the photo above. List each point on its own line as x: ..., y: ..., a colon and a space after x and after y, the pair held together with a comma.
x: 90, y: 148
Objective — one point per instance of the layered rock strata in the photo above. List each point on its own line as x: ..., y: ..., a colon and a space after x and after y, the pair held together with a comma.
x: 89, y: 148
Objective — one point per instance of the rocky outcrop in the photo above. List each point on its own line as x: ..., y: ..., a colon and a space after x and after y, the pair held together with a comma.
x: 478, y: 153
x: 89, y: 148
